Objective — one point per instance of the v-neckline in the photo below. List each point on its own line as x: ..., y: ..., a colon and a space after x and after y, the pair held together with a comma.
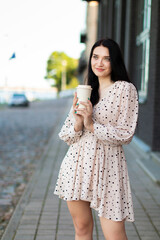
x: 106, y: 90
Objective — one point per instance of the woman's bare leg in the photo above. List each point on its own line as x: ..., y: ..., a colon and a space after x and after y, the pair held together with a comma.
x: 113, y: 230
x: 82, y: 219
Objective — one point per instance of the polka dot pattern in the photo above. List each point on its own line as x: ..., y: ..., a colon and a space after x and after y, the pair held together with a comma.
x: 94, y: 168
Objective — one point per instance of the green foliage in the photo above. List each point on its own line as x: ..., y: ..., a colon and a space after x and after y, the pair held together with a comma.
x: 73, y: 83
x: 59, y: 62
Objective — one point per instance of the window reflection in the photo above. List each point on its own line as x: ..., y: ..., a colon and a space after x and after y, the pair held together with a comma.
x: 143, y: 46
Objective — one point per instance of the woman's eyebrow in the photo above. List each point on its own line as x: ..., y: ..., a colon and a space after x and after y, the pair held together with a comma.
x: 98, y: 55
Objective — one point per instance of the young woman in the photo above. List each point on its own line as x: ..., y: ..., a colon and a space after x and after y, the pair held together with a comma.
x: 94, y: 173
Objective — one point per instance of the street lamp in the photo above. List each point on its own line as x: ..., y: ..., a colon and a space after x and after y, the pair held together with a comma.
x: 91, y: 0
x: 64, y: 77
x: 92, y: 3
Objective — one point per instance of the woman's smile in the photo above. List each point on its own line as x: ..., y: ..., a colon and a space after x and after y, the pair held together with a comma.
x: 100, y: 69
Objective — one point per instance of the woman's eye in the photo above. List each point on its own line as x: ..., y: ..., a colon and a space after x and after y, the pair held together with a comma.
x: 95, y: 57
x: 107, y: 59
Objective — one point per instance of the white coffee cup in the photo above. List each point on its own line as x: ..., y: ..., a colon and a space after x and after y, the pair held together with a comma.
x: 83, y: 94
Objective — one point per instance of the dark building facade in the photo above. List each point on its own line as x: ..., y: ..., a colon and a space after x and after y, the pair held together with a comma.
x: 135, y: 25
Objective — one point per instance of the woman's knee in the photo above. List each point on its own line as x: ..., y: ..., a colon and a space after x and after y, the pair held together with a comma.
x: 82, y: 216
x: 83, y: 227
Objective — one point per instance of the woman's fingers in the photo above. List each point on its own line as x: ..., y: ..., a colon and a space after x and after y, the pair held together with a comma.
x: 80, y: 112
x: 87, y: 105
x: 90, y: 104
x: 87, y: 110
x: 75, y: 99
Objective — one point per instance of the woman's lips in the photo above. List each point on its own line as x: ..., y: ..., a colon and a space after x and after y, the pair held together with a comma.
x: 100, y: 69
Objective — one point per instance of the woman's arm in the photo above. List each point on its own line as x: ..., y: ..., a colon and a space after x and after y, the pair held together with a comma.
x: 123, y: 131
x: 73, y: 126
x: 68, y: 132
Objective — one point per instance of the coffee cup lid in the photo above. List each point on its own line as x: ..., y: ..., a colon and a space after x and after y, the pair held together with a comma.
x: 84, y: 86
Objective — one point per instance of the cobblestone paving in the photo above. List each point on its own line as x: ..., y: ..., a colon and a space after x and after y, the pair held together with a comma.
x: 23, y: 136
x: 146, y: 201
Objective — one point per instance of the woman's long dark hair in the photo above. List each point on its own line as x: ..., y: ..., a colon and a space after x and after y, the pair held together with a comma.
x: 118, y: 71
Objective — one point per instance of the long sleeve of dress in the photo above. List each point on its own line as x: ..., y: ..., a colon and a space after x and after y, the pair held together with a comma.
x: 123, y: 130
x: 67, y: 133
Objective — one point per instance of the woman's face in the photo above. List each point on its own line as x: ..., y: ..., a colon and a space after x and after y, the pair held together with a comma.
x: 100, y: 62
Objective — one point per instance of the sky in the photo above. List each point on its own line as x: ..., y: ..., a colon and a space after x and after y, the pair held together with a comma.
x: 33, y: 29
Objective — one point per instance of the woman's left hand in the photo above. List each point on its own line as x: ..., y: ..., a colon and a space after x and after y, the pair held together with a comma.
x: 87, y: 115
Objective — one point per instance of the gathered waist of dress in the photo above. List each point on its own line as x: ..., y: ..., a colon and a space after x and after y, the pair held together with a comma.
x: 88, y: 134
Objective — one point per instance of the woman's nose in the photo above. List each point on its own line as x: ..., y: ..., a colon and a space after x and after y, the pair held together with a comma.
x: 100, y: 62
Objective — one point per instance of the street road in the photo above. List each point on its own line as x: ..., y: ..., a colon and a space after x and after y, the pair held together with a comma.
x: 24, y: 132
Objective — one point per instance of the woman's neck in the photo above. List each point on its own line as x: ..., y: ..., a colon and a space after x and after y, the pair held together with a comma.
x: 104, y: 83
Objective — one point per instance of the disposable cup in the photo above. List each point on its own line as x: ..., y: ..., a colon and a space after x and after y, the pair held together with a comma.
x: 83, y: 94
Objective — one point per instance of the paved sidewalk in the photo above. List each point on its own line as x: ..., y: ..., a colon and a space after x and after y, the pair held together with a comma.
x: 40, y: 215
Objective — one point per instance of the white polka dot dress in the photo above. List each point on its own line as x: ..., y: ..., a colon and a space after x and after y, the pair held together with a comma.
x: 94, y: 168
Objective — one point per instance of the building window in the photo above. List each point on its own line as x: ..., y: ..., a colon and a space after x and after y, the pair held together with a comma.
x: 143, y: 46
x: 116, y: 20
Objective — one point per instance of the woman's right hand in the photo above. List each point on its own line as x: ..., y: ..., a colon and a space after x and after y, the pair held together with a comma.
x: 78, y: 126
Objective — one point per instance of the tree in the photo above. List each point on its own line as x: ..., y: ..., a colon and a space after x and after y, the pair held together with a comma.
x: 57, y: 65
